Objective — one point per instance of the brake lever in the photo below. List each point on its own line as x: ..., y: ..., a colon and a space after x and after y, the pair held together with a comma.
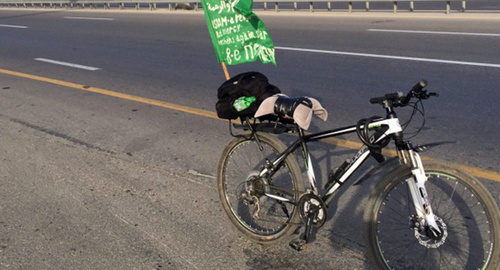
x: 424, y: 95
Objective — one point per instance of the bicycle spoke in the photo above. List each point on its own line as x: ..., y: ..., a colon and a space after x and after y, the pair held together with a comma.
x: 468, y: 240
x: 243, y: 190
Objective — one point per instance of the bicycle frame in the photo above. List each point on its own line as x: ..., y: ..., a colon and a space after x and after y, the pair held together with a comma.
x: 390, y: 126
x: 350, y: 165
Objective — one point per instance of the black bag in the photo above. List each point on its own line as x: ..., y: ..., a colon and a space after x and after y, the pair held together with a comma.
x: 245, y: 84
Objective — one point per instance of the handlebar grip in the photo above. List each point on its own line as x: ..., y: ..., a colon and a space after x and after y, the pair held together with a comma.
x: 394, y: 96
x: 417, y: 88
x: 376, y: 100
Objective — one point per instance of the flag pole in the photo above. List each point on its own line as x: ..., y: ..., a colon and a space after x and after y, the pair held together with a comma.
x: 224, y: 68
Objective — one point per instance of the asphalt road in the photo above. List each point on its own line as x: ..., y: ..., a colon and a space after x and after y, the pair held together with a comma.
x: 90, y: 181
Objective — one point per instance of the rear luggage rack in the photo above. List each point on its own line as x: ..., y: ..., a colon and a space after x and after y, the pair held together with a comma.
x: 276, y: 125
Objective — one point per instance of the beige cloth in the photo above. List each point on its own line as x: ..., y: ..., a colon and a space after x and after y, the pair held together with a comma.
x: 302, y: 114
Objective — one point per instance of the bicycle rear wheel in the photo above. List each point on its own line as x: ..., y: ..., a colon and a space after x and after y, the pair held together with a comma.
x: 463, y: 208
x: 241, y: 189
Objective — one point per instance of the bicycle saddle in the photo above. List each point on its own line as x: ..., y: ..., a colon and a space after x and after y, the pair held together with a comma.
x: 285, y: 106
x: 300, y: 109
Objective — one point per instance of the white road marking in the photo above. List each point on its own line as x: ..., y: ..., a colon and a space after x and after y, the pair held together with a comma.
x: 441, y: 61
x: 434, y: 32
x: 14, y: 26
x: 89, y: 18
x: 66, y: 64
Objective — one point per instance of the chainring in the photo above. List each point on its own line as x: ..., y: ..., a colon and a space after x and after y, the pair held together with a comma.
x: 306, y: 202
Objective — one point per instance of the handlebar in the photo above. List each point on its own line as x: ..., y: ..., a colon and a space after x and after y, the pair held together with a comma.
x: 389, y: 101
x: 400, y: 100
x: 415, y: 91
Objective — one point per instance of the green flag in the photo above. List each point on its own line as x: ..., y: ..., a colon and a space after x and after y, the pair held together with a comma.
x: 238, y: 35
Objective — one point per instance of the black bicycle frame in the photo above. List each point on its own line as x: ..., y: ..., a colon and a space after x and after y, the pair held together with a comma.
x: 343, y: 172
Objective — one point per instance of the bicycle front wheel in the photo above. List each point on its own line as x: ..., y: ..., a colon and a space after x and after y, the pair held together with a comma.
x: 463, y: 209
x: 259, y: 217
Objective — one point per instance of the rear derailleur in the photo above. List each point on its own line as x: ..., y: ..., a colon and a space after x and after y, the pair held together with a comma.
x: 312, y: 211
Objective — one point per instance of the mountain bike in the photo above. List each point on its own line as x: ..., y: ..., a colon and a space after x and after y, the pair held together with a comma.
x: 421, y: 215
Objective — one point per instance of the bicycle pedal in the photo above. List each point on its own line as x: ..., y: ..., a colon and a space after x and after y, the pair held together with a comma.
x: 298, y: 244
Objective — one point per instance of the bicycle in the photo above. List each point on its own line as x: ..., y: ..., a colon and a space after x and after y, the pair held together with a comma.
x: 416, y: 218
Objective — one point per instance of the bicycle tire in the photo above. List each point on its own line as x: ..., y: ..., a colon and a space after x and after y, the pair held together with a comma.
x: 239, y: 159
x: 459, y: 200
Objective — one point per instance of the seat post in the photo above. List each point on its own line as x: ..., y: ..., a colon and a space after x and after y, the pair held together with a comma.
x: 300, y: 131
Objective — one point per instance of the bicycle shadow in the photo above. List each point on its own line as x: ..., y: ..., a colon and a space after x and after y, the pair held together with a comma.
x: 344, y: 226
x: 345, y: 223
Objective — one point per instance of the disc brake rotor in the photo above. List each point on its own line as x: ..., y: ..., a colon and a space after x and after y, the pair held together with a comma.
x: 432, y: 242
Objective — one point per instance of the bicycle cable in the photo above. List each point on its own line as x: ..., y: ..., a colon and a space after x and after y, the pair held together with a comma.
x: 364, y: 135
x: 418, y: 107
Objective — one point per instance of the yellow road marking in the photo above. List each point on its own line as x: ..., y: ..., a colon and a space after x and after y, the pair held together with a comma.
x: 478, y: 172
x: 101, y: 91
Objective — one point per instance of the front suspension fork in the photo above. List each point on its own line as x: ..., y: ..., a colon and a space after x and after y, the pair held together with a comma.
x: 416, y: 185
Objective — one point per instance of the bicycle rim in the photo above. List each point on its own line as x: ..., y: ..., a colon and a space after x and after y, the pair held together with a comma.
x: 460, y: 204
x: 275, y: 218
